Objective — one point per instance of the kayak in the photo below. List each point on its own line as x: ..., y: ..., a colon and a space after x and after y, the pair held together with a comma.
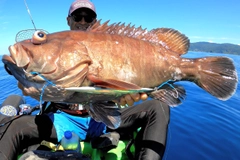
x: 15, y: 104
x: 87, y: 153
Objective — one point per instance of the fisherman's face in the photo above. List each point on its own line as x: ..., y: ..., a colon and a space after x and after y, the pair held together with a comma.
x: 81, y: 19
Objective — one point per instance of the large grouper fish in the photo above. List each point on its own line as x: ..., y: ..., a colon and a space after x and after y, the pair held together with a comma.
x: 115, y: 57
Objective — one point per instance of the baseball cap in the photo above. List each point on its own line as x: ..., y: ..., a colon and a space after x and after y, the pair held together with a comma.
x: 82, y: 4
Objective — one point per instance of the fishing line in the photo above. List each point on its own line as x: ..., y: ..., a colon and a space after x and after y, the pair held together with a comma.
x: 43, y: 88
x: 30, y: 15
x: 167, y: 83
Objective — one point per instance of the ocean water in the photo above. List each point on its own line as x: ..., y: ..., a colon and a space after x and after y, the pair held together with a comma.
x: 202, y: 128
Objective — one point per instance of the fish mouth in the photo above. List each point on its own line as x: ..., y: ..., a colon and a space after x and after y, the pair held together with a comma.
x: 11, y: 65
x: 28, y: 87
x: 28, y: 83
x: 7, y: 59
x: 12, y: 68
x: 13, y: 59
x: 10, y: 58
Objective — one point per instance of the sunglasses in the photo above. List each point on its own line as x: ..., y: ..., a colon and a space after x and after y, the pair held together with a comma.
x: 78, y: 18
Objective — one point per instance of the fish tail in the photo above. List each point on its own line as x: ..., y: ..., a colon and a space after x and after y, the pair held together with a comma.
x: 217, y: 75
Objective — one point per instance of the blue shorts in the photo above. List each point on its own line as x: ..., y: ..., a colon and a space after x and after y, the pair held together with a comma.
x: 83, y: 127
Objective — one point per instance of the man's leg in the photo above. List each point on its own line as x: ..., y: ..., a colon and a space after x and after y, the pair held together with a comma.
x: 23, y: 132
x: 153, y: 118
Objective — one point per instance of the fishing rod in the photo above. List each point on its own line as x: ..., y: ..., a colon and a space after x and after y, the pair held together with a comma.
x: 30, y: 15
x: 27, y: 34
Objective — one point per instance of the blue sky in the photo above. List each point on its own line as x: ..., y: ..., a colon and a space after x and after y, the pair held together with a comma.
x: 201, y: 20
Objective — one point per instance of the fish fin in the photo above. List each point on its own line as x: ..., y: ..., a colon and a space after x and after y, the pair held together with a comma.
x: 98, y: 27
x: 112, y: 83
x: 106, y: 112
x: 167, y: 37
x: 217, y: 75
x: 170, y: 94
x: 172, y: 39
x: 123, y: 30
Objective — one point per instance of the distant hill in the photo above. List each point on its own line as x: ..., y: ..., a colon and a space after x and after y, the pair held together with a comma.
x: 215, y: 48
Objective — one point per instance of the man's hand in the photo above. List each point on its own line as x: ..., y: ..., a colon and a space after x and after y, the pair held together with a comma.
x: 129, y: 99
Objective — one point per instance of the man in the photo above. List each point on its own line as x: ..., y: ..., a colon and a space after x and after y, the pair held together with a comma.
x: 81, y: 15
x: 151, y: 116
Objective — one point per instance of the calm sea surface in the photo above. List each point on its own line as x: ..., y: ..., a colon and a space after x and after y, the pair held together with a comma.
x: 202, y: 128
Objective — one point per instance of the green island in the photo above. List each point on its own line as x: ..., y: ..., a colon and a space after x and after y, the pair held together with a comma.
x: 215, y: 48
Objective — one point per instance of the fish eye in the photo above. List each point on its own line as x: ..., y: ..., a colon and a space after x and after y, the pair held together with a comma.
x: 39, y: 37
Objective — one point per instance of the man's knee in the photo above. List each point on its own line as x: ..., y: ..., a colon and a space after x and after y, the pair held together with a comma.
x: 156, y: 105
x: 159, y: 109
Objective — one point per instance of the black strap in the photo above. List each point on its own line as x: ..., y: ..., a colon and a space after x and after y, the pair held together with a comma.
x: 5, y: 123
x: 53, y: 107
x: 128, y: 147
